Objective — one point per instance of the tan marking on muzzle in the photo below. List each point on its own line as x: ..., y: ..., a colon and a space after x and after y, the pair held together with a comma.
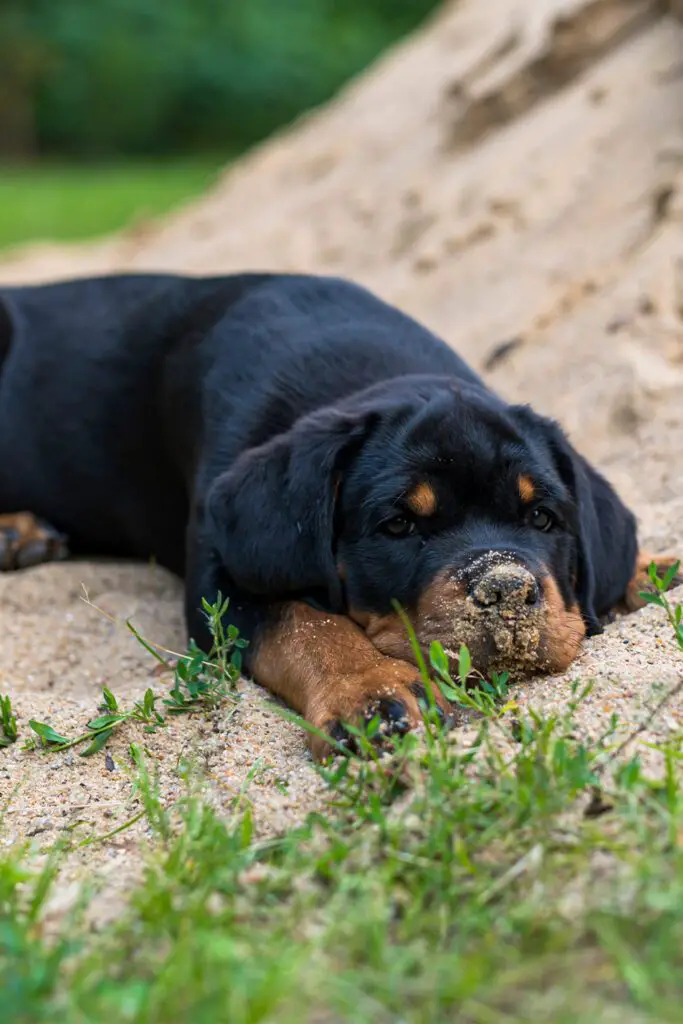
x: 565, y: 629
x: 504, y: 635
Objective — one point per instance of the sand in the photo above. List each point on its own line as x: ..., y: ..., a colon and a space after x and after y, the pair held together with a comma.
x: 513, y: 176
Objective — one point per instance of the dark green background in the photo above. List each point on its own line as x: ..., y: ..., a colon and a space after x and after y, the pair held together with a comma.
x: 102, y: 78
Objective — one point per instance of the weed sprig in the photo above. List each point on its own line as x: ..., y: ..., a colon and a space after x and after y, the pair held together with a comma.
x: 201, y: 682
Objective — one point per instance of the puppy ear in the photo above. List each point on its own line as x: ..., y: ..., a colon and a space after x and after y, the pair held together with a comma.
x: 271, y: 515
x: 607, y: 533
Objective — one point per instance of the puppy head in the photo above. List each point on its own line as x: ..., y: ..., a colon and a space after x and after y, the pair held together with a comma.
x: 477, y: 517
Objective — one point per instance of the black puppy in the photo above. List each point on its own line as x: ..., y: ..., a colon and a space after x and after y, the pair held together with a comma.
x: 313, y: 454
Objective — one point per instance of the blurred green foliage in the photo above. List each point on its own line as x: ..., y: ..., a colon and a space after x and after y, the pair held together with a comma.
x: 145, y: 77
x: 66, y: 202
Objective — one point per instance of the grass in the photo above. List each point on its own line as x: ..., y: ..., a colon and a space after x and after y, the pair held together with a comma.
x: 70, y: 202
x: 527, y: 876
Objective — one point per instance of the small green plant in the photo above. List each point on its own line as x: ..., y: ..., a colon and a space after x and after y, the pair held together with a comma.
x: 201, y: 683
x: 661, y: 584
x: 470, y: 689
x: 8, y: 722
x: 205, y: 681
x: 100, y: 729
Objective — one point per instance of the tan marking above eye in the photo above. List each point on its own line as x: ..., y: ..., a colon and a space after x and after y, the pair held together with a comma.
x: 422, y: 499
x: 527, y: 491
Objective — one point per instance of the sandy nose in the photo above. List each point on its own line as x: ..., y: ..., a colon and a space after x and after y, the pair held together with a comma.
x: 505, y: 585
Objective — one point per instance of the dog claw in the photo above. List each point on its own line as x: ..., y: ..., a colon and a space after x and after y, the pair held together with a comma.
x: 393, y: 713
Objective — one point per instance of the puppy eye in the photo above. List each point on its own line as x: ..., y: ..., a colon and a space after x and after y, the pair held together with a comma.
x: 399, y: 526
x: 542, y: 519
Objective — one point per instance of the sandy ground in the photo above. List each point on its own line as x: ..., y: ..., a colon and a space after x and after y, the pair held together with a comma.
x: 513, y: 173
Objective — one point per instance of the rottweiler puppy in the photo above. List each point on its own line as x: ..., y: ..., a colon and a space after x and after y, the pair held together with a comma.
x: 315, y: 455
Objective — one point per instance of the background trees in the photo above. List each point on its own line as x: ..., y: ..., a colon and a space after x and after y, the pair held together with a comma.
x: 145, y: 77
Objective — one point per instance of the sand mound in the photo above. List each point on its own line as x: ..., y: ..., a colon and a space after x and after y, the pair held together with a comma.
x: 513, y: 175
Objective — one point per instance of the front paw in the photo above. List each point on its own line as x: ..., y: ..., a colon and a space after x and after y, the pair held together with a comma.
x: 392, y: 692
x: 641, y: 581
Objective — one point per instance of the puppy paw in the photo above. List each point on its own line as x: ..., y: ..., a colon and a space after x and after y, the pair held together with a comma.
x: 392, y: 692
x: 26, y: 540
x: 641, y: 580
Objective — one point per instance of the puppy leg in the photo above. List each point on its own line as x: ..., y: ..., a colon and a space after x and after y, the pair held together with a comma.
x: 322, y: 665
x: 640, y: 581
x: 26, y: 540
x: 325, y: 667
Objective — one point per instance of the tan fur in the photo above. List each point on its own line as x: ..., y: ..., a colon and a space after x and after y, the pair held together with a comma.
x: 422, y: 499
x: 527, y: 491
x: 640, y: 580
x: 565, y: 628
x: 24, y: 541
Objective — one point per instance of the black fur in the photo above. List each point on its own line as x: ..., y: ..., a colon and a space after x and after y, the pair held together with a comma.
x: 252, y: 432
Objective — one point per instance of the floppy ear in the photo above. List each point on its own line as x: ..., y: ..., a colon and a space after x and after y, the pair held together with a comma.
x: 271, y: 515
x: 607, y: 534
